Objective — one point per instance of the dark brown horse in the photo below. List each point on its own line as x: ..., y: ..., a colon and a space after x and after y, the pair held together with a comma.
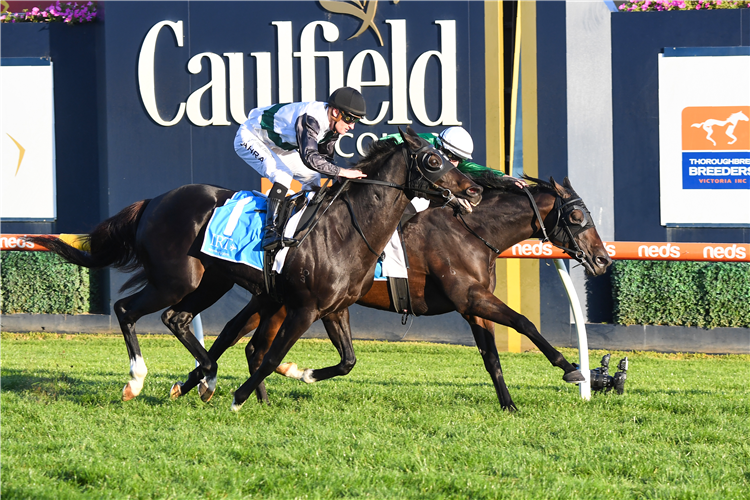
x: 452, y: 269
x: 161, y: 239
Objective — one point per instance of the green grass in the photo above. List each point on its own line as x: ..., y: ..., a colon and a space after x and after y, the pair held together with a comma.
x: 410, y: 421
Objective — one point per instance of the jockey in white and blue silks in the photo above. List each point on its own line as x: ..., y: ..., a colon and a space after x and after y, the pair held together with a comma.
x: 296, y: 141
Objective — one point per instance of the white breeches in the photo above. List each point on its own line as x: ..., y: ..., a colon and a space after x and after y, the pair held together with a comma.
x: 394, y: 265
x: 254, y: 146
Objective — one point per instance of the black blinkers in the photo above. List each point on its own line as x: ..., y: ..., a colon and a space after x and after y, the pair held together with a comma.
x: 432, y: 164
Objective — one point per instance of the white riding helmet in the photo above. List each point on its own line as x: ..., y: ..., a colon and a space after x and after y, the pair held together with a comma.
x: 458, y: 141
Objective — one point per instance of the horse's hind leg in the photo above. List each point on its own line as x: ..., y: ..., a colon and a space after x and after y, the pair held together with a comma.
x: 178, y: 318
x: 337, y: 327
x: 128, y: 311
x: 484, y: 334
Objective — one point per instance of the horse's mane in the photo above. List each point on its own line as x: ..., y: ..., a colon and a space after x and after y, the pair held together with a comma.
x: 376, y: 152
x: 492, y: 179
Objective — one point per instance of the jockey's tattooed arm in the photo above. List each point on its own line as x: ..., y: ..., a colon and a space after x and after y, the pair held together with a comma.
x: 308, y: 129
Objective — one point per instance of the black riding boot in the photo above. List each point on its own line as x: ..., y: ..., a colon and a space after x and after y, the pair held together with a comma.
x: 271, y: 235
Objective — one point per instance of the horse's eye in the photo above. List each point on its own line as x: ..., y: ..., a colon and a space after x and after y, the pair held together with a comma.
x: 576, y: 217
x: 433, y: 163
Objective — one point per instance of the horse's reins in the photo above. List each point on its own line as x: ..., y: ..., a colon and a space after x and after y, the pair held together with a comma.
x: 460, y: 217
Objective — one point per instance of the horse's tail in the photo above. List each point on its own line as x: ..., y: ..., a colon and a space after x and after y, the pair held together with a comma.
x: 697, y: 125
x: 111, y: 243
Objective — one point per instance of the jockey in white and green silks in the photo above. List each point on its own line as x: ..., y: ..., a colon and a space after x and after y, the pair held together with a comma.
x: 456, y: 143
x: 296, y: 141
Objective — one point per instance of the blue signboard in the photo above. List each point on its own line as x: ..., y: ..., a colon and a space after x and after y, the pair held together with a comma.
x: 182, y: 76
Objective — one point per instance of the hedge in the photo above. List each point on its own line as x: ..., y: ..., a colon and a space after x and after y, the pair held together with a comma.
x: 43, y: 283
x: 704, y: 294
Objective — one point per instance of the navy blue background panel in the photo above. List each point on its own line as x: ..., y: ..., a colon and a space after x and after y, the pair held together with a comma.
x: 72, y: 50
x: 552, y: 134
x: 637, y: 39
x: 111, y: 152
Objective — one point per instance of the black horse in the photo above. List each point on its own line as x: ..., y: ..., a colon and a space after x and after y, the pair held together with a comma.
x: 161, y: 239
x: 452, y: 268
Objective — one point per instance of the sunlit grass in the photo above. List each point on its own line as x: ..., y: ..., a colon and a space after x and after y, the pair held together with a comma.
x: 410, y: 421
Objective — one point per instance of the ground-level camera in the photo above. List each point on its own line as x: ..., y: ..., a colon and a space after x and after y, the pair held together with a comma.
x: 601, y: 380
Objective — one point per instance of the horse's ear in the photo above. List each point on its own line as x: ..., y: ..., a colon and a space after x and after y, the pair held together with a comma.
x: 410, y: 137
x: 566, y: 183
x: 557, y: 186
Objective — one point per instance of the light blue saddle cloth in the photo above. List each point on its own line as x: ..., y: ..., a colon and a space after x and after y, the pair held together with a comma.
x: 235, y: 230
x: 379, y: 271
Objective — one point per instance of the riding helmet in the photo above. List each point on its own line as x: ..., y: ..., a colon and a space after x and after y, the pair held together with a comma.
x: 349, y: 100
x: 458, y: 141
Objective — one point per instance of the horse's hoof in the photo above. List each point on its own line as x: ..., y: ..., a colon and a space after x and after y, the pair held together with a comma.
x: 574, y: 377
x: 205, y: 393
x: 236, y: 407
x: 127, y: 393
x: 176, y: 391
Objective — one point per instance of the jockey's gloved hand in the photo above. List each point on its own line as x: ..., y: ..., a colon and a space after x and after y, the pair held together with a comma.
x: 351, y: 173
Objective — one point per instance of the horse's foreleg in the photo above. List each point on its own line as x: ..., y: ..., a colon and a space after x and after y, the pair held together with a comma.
x: 484, y: 335
x: 339, y: 331
x: 293, y: 327
x: 266, y: 325
x: 484, y: 304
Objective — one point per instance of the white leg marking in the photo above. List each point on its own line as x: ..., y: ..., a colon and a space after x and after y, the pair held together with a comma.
x: 290, y: 370
x: 307, y: 376
x: 138, y: 373
x: 236, y: 407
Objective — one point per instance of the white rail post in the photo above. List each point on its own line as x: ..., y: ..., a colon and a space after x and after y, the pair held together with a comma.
x: 198, y: 331
x: 583, y: 343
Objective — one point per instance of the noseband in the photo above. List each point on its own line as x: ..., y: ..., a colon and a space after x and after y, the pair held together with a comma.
x: 563, y: 230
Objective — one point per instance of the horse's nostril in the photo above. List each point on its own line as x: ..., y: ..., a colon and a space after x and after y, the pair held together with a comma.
x: 474, y: 191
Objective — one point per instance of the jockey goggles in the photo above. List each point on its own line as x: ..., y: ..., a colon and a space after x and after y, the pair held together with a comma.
x: 450, y: 155
x: 348, y: 118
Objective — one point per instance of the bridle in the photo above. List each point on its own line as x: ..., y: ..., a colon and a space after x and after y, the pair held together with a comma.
x: 563, y: 230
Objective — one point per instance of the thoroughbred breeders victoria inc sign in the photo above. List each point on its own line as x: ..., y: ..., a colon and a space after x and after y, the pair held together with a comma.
x: 384, y: 66
x: 705, y: 136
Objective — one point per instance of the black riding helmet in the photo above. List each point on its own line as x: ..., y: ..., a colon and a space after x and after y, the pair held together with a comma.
x: 348, y: 100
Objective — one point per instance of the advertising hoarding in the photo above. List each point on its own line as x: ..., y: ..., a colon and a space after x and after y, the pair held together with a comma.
x: 28, y: 145
x: 704, y: 136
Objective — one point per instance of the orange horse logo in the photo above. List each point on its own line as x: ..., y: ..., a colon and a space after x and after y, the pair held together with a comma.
x: 734, y: 119
x: 707, y: 129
